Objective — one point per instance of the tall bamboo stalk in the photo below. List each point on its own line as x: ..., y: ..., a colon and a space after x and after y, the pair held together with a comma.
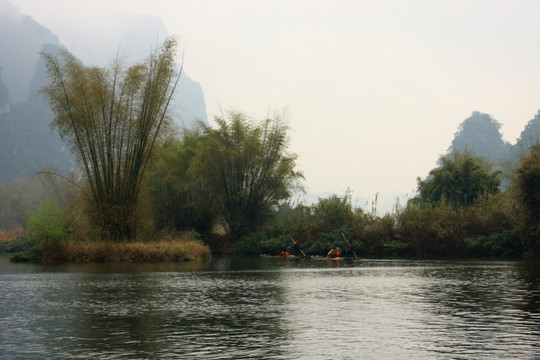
x: 112, y: 117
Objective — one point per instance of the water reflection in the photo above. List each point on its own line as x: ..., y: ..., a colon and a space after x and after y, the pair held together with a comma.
x: 268, y: 308
x: 475, y: 308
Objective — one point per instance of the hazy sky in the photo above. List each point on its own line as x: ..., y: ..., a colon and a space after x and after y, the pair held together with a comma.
x: 375, y: 90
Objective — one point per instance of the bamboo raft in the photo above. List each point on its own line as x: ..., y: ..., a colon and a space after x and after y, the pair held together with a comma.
x: 312, y: 257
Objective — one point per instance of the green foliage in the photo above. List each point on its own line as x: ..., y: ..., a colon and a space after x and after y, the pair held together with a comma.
x: 293, y: 219
x: 528, y: 196
x: 421, y: 229
x: 249, y: 244
x: 332, y: 213
x: 396, y: 247
x: 441, y: 230
x: 235, y: 176
x: 47, y: 228
x: 324, y: 241
x: 19, y: 244
x: 491, y: 214
x: 504, y: 244
x: 460, y: 182
x: 319, y: 246
x: 245, y: 169
x: 377, y: 232
x: 176, y: 201
x: 111, y: 118
x: 329, y: 215
x: 257, y: 243
x: 48, y: 225
x: 31, y: 254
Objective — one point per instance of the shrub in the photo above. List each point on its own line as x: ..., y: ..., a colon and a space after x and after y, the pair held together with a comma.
x: 434, y: 230
x: 18, y: 244
x: 249, y: 244
x: 31, y: 254
x: 378, y: 231
x: 324, y: 241
x: 396, y: 247
x: 503, y: 244
x: 319, y: 247
x: 260, y: 243
x: 527, y: 184
x: 273, y: 245
x: 48, y: 225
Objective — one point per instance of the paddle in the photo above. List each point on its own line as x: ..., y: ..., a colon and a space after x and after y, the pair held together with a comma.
x: 303, y: 253
x: 348, y: 243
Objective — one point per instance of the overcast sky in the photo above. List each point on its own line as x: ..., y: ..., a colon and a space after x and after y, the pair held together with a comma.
x: 375, y: 90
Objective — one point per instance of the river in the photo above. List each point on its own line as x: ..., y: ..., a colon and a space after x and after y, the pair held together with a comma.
x: 268, y: 308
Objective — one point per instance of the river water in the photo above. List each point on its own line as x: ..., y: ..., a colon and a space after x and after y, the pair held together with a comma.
x: 267, y: 308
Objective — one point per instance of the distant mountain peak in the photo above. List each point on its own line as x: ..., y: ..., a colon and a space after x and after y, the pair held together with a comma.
x: 21, y: 39
x: 26, y: 141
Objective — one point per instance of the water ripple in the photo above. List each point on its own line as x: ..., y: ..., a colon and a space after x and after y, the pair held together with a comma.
x: 276, y: 310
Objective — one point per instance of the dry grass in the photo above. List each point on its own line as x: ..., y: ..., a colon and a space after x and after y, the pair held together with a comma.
x: 6, y: 235
x: 185, y: 248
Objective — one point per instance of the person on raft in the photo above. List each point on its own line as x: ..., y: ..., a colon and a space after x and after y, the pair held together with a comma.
x: 287, y: 250
x: 335, y: 251
x: 350, y: 251
x: 296, y: 248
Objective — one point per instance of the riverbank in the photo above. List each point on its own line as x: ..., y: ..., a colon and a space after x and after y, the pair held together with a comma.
x: 184, y: 247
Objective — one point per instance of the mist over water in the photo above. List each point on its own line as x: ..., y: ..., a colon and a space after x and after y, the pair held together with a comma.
x: 239, y: 308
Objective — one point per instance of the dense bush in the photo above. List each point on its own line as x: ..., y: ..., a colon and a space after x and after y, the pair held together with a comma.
x: 397, y: 247
x: 324, y: 241
x: 18, y: 244
x: 420, y: 229
x: 261, y: 243
x: 528, y: 196
x: 433, y: 230
x: 31, y: 254
x: 21, y: 248
x: 504, y: 244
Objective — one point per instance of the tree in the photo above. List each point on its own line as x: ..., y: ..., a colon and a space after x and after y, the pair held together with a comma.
x: 176, y: 202
x: 246, y: 169
x: 460, y: 181
x: 111, y: 118
x: 527, y: 185
x: 333, y: 212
